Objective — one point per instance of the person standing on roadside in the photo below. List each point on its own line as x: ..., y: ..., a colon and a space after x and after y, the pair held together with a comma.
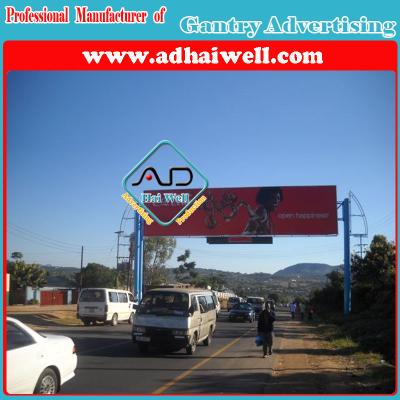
x: 293, y: 309
x: 265, y: 328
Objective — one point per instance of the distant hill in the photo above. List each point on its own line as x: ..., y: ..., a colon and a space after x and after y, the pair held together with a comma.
x: 306, y: 270
x: 235, y: 278
x: 61, y: 276
x: 56, y: 269
x: 288, y: 283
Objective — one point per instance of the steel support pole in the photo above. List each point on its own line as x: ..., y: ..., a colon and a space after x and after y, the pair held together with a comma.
x: 136, y: 272
x: 141, y: 269
x: 347, y: 266
x: 138, y: 265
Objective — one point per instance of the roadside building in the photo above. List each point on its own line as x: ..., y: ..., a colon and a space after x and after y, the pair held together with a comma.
x: 58, y: 291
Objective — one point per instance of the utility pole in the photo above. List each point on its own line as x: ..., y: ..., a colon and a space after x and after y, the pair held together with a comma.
x: 118, y: 237
x: 80, y: 288
x: 361, y: 245
x: 117, y: 271
x: 347, y: 265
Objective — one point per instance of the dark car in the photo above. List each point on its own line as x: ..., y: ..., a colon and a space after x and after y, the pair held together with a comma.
x: 242, y: 311
x: 232, y: 301
x: 257, y: 303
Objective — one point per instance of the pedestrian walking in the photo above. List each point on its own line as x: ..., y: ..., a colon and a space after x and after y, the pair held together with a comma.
x: 293, y: 309
x: 265, y: 328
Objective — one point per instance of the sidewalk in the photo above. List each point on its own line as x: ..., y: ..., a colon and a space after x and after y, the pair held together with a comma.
x: 304, y: 363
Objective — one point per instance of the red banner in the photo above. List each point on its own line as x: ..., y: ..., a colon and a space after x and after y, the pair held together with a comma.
x: 200, y: 55
x: 257, y: 211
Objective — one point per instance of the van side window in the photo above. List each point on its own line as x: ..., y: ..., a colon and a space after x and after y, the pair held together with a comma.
x: 122, y: 297
x: 193, y: 302
x: 131, y: 299
x: 203, y: 304
x: 113, y: 297
x: 210, y: 303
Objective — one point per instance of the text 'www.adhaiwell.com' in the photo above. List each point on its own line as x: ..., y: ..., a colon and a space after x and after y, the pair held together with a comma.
x: 186, y: 56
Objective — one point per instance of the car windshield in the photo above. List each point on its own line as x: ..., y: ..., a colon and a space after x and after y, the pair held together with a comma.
x: 255, y: 301
x: 234, y: 300
x: 242, y: 306
x: 164, y: 303
x: 93, y: 295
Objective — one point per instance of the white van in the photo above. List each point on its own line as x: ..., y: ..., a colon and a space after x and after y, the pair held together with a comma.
x: 106, y: 305
x: 217, y: 303
x: 175, y: 319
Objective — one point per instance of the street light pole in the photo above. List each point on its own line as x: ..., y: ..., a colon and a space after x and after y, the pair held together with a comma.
x: 119, y: 235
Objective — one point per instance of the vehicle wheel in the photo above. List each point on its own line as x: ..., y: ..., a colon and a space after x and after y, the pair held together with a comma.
x: 114, y: 320
x: 191, y: 348
x: 47, y: 382
x: 130, y: 320
x: 207, y: 341
x: 86, y: 322
x: 143, y: 347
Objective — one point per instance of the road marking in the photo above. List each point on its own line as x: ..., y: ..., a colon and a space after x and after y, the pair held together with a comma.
x: 183, y: 375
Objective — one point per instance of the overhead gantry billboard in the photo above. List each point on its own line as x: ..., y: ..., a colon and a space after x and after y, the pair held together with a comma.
x: 254, y: 211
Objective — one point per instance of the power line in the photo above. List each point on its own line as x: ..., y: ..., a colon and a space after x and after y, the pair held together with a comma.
x: 41, y: 243
x: 48, y: 239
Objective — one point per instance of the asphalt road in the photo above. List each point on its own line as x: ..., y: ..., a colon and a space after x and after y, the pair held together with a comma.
x: 109, y: 363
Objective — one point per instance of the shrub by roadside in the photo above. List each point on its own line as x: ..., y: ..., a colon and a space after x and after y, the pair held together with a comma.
x: 372, y: 373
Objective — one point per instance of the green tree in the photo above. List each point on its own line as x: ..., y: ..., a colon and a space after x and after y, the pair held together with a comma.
x: 330, y: 298
x: 372, y: 319
x: 216, y: 282
x: 17, y: 255
x: 157, y: 251
x: 201, y: 281
x: 23, y: 275
x: 97, y: 275
x: 185, y: 272
x: 374, y: 276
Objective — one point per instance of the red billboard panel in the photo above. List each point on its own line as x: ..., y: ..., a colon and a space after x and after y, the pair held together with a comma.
x: 255, y: 211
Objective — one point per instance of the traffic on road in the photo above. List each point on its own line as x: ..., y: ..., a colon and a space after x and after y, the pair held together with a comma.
x: 109, y: 362
x: 213, y: 356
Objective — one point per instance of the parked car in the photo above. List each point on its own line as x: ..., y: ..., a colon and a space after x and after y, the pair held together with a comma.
x: 242, y: 311
x: 105, y: 305
x: 257, y: 303
x: 174, y: 319
x: 232, y: 301
x: 37, y: 363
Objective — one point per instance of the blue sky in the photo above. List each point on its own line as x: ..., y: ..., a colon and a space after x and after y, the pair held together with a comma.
x: 72, y: 136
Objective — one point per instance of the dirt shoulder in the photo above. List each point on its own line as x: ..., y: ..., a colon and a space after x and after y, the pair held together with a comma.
x: 44, y: 316
x: 307, y: 362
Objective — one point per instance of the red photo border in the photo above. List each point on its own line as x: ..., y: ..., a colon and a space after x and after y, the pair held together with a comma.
x: 67, y: 56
